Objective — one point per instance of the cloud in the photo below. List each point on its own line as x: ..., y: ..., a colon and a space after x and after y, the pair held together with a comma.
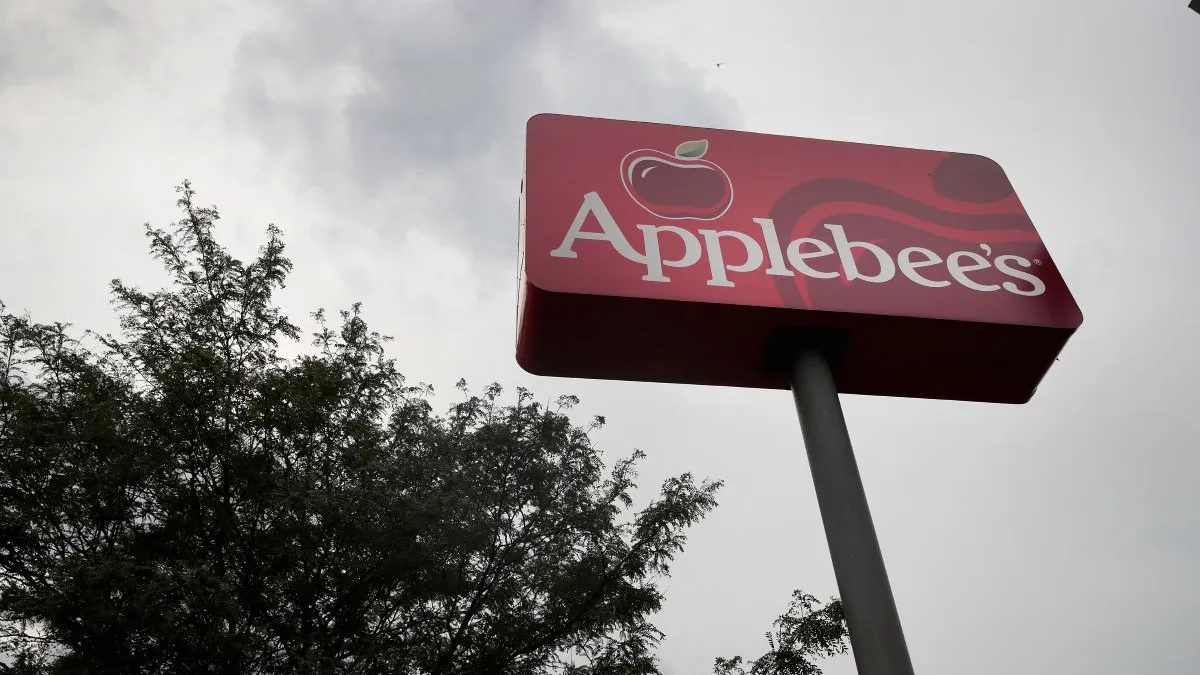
x: 386, y: 140
x: 43, y: 40
x: 416, y: 109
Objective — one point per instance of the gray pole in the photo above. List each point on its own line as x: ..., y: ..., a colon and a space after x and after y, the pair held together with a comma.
x: 871, y: 616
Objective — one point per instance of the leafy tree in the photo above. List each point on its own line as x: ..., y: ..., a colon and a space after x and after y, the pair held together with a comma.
x: 181, y: 498
x: 808, y: 630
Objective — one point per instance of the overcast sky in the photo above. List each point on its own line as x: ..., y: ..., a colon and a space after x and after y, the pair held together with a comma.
x: 385, y: 138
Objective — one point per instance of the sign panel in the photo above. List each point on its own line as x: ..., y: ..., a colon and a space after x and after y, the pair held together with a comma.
x: 678, y: 254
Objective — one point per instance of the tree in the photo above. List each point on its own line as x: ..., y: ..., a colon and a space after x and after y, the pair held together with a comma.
x: 180, y: 498
x: 808, y: 630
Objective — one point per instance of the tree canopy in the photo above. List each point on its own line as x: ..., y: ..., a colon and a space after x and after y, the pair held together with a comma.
x: 181, y: 498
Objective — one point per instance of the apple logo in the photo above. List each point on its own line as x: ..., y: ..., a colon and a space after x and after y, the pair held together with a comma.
x: 680, y: 186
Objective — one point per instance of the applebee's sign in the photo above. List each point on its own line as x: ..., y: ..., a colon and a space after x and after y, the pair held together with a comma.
x: 800, y: 253
x: 824, y: 234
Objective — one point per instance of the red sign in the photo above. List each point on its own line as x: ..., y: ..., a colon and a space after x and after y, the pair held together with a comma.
x: 677, y: 254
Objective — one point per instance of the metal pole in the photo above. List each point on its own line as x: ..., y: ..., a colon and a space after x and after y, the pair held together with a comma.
x: 871, y: 617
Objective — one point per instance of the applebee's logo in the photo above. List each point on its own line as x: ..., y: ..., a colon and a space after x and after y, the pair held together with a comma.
x: 680, y: 186
x: 801, y: 255
x: 789, y: 251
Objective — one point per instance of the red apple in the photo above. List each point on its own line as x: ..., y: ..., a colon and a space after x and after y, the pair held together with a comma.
x: 679, y: 186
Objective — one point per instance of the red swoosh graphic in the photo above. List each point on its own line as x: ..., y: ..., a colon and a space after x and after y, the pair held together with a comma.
x: 799, y: 211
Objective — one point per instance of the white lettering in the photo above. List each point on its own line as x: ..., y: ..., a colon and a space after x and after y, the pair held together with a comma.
x: 887, y: 268
x: 908, y: 266
x: 610, y: 232
x: 798, y: 259
x: 774, y: 251
x: 959, y: 271
x: 653, y: 258
x: 781, y: 261
x: 1039, y: 286
x: 716, y: 257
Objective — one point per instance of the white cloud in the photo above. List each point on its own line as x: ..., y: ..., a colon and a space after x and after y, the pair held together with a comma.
x: 386, y: 140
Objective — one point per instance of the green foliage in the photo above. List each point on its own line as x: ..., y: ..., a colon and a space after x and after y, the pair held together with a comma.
x: 179, y: 498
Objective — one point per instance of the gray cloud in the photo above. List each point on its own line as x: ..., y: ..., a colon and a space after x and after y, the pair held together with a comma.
x: 1066, y: 528
x: 422, y: 105
x: 41, y: 40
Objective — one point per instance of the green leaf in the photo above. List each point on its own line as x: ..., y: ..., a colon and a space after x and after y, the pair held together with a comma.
x: 691, y: 149
x: 310, y: 495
